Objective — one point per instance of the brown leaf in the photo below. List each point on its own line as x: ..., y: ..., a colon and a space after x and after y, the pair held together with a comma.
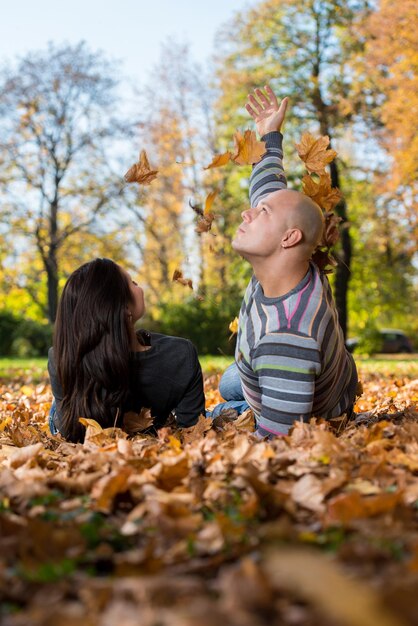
x: 323, y: 260
x: 137, y: 422
x: 314, y: 153
x: 307, y: 492
x: 204, y: 216
x: 197, y: 431
x: 23, y: 455
x: 245, y: 421
x: 248, y: 150
x: 179, y: 278
x: 141, y: 172
x: 219, y: 160
x: 346, y: 507
x: 316, y: 578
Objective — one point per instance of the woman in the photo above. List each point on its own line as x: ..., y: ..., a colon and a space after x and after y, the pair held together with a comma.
x: 100, y: 367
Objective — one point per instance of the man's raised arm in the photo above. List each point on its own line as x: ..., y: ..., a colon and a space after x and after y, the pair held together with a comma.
x: 267, y: 175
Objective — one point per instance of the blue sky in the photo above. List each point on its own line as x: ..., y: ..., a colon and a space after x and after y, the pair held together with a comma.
x: 128, y: 30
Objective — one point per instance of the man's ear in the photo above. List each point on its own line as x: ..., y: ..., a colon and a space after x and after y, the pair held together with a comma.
x: 292, y: 237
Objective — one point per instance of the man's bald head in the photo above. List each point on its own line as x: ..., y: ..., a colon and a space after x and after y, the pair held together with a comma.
x: 299, y: 211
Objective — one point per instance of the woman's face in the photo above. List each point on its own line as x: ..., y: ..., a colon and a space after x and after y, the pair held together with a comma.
x: 137, y: 307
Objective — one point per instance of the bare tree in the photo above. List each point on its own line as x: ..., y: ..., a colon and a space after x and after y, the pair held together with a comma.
x: 57, y: 128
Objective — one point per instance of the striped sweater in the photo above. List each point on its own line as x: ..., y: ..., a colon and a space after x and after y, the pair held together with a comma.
x: 290, y: 350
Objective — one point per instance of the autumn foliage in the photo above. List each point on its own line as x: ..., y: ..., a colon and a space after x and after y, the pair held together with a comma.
x: 209, y: 524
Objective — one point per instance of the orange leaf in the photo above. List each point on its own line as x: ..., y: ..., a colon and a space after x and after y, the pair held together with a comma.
x: 219, y: 160
x: 322, y: 193
x: 349, y: 506
x: 248, y: 150
x: 141, y: 172
x: 314, y: 153
x: 179, y: 278
x: 209, y: 201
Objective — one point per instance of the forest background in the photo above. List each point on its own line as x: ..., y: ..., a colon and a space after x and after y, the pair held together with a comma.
x: 68, y: 134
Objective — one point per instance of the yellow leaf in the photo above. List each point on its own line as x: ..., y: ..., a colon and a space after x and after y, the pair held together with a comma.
x: 92, y: 427
x: 4, y: 423
x: 233, y: 326
x: 314, y: 153
x: 219, y: 160
x: 141, y: 172
x: 27, y: 390
x: 174, y: 443
x: 248, y: 150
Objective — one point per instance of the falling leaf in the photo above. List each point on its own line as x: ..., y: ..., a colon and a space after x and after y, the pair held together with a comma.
x: 219, y: 160
x: 141, y: 172
x: 248, y: 150
x: 314, y: 153
x: 179, y: 278
x: 331, y: 233
x: 324, y: 261
x: 233, y: 326
x: 321, y: 192
x: 204, y: 216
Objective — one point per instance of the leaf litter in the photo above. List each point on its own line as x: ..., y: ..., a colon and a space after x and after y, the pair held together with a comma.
x: 209, y: 523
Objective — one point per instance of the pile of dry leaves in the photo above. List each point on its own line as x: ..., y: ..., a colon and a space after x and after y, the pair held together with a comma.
x: 209, y: 525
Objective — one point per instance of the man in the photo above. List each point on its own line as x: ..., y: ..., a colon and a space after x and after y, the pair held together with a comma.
x: 290, y: 351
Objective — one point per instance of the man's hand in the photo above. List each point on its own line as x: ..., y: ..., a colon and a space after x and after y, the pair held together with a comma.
x: 266, y: 111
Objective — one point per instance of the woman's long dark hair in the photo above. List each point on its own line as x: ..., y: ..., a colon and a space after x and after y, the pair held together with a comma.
x: 91, y: 346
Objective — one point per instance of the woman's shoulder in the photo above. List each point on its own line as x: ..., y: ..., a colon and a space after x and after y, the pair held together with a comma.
x: 166, y: 340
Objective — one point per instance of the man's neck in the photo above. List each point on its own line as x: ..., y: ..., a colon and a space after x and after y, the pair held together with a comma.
x: 278, y: 278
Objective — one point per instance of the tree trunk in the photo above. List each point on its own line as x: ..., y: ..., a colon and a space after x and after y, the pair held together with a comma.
x: 52, y: 277
x: 52, y: 261
x: 342, y: 275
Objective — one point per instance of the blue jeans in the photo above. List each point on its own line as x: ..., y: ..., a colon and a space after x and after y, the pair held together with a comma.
x: 230, y: 389
x: 52, y: 412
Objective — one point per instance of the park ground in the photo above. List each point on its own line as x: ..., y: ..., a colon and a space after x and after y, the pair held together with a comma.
x: 208, y: 525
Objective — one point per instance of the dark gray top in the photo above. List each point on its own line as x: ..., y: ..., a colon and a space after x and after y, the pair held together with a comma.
x: 165, y: 378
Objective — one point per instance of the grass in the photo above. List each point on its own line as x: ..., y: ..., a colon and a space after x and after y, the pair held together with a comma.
x: 14, y: 368
x: 383, y: 365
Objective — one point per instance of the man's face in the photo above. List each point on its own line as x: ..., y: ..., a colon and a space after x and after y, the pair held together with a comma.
x: 263, y: 227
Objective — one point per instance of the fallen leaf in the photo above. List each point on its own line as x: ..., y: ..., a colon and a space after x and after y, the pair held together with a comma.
x: 307, y: 492
x: 137, y: 422
x: 314, y: 577
x: 198, y: 430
